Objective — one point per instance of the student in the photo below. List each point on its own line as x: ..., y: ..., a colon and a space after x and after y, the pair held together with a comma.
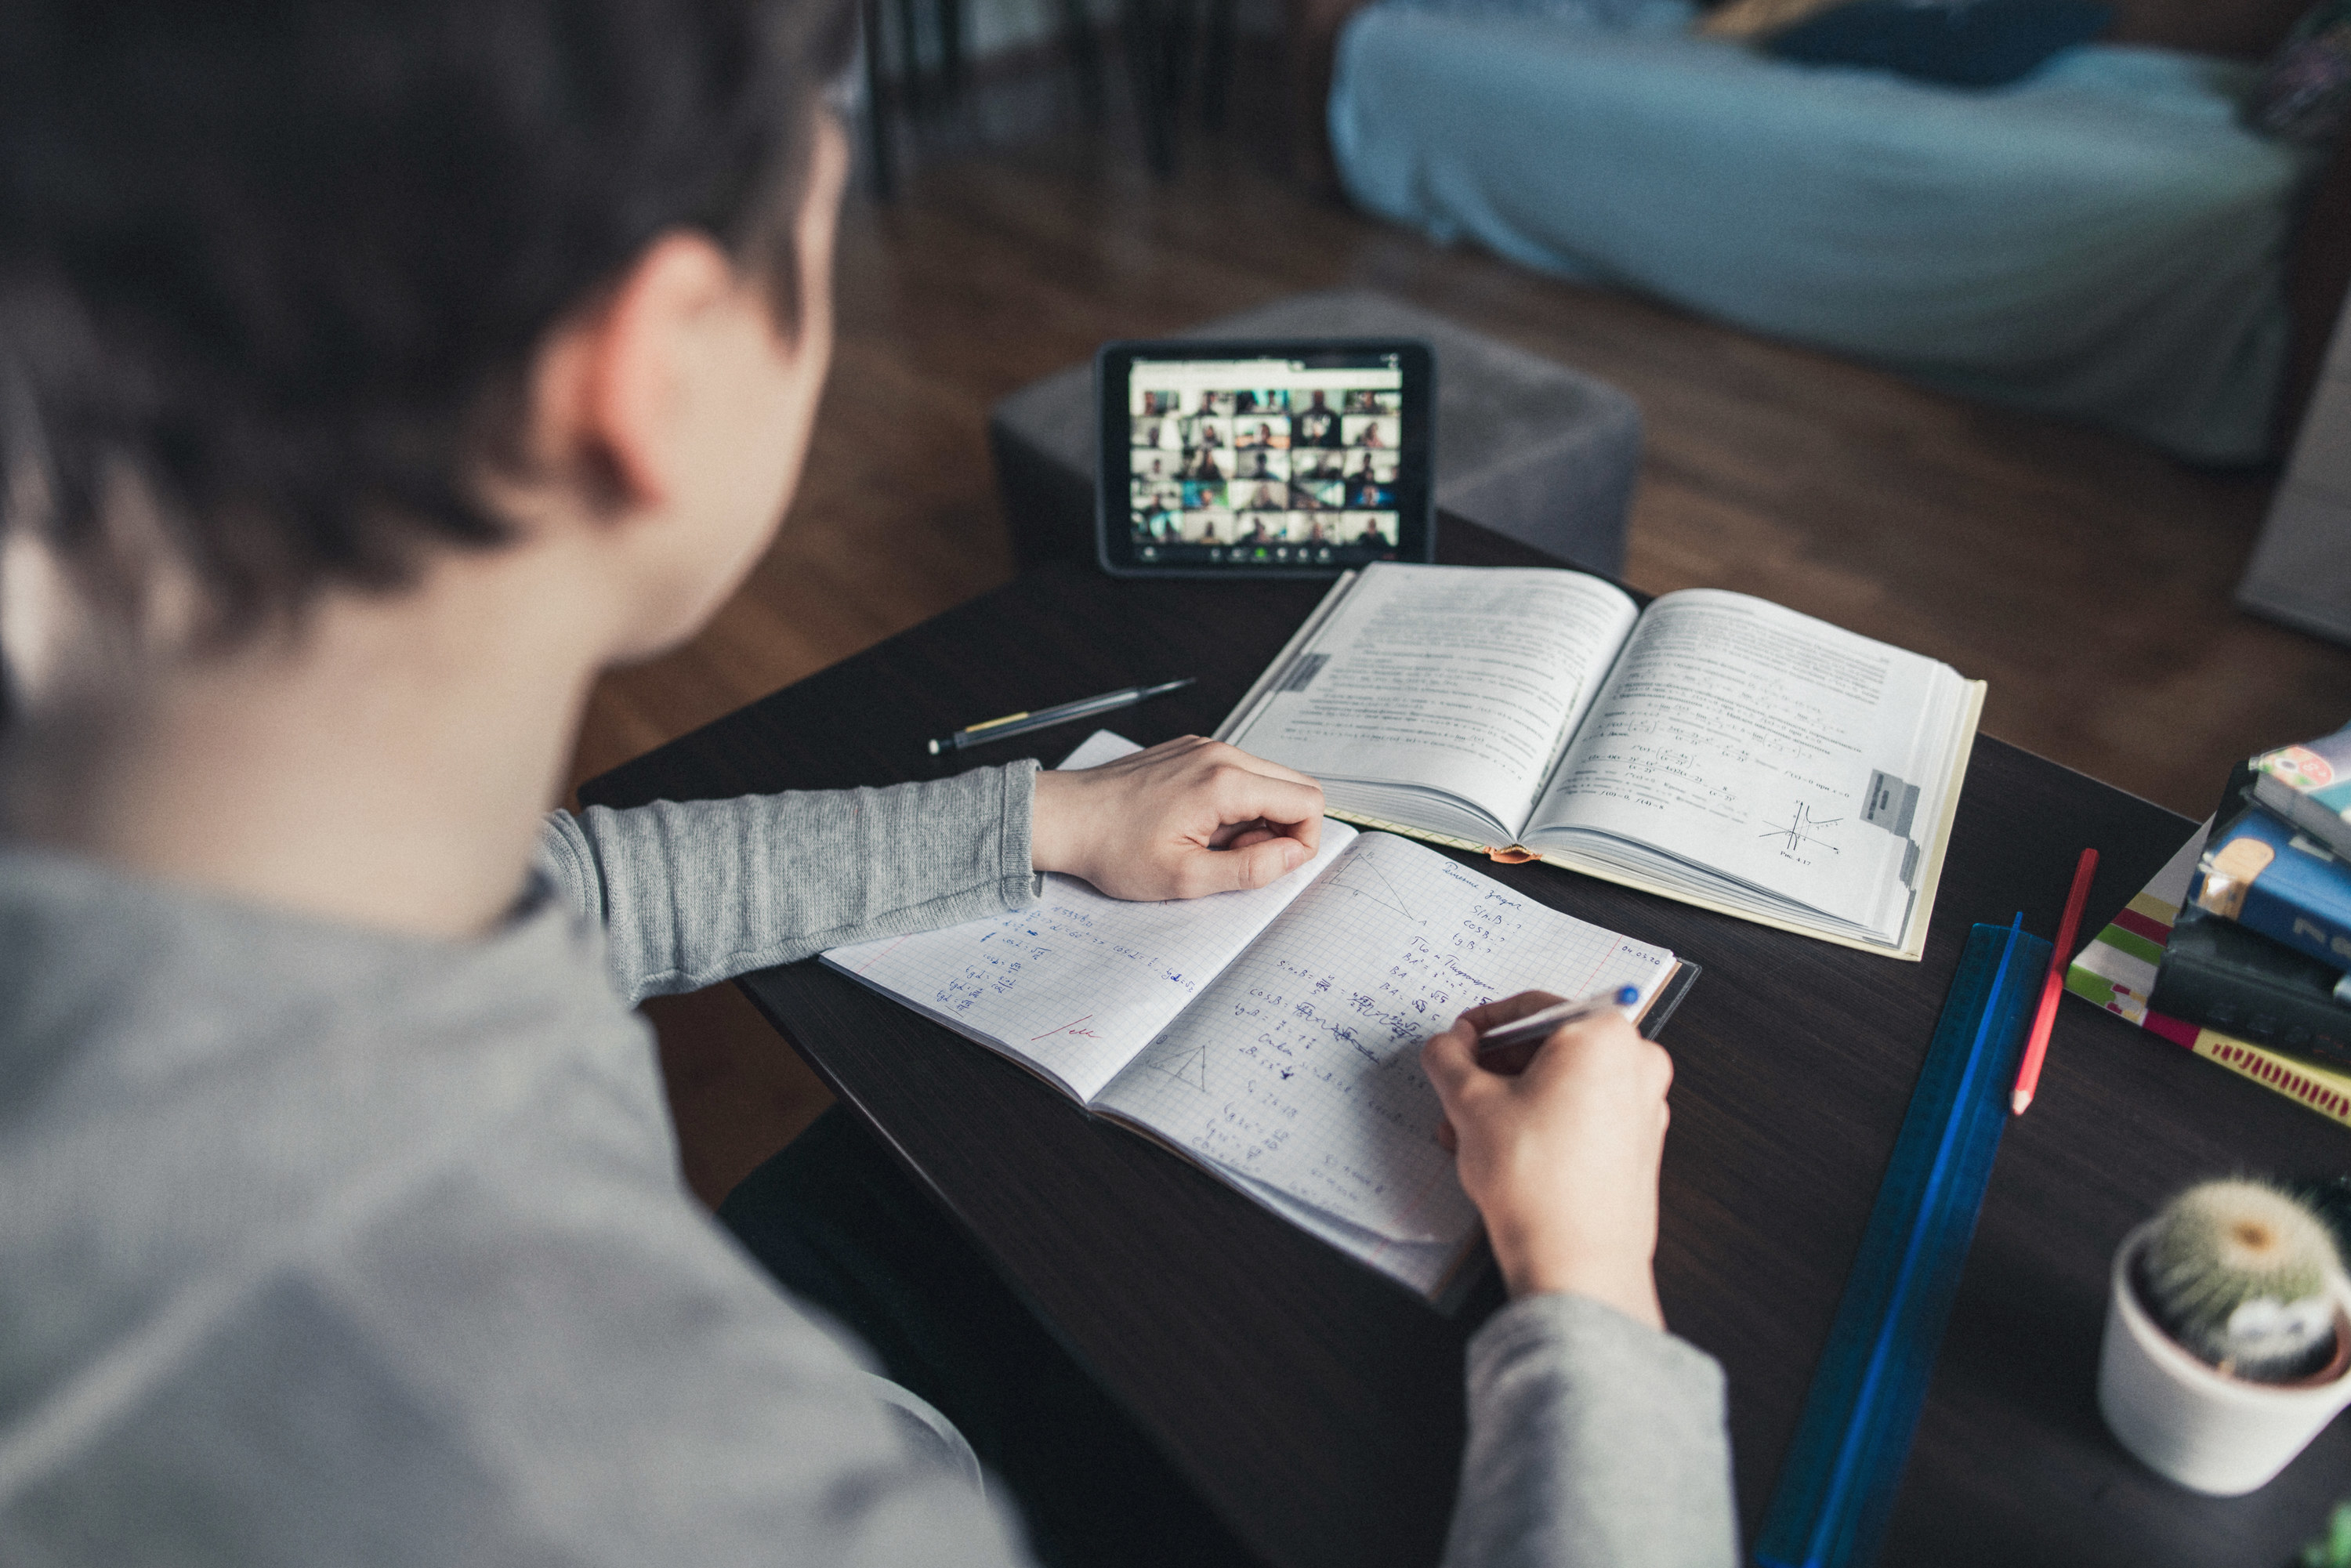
x: 1204, y: 463
x: 1206, y: 430
x: 1316, y: 426
x: 370, y: 378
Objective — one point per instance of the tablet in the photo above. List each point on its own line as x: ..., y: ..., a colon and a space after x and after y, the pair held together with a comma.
x: 1291, y: 458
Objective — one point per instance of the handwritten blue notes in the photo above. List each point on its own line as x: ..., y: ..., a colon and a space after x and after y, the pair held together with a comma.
x: 1299, y: 1067
x: 1274, y: 1035
x: 1078, y: 984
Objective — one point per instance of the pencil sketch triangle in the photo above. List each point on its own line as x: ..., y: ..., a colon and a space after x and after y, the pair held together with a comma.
x: 1359, y: 876
x: 1183, y: 1062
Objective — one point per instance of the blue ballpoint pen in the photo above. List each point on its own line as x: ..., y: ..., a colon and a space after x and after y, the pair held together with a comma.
x: 1538, y: 1026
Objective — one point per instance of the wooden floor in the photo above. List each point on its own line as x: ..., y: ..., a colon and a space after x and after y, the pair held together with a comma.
x: 2086, y: 578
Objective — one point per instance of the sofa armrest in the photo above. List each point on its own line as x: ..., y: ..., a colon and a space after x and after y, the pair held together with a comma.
x: 1311, y: 33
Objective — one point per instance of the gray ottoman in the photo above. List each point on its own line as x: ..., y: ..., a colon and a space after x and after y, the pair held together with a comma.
x: 1527, y: 447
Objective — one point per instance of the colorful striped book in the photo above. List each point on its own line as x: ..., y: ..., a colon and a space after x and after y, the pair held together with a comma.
x: 2117, y: 972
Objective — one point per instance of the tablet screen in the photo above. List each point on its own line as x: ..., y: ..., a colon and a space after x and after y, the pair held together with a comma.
x: 1248, y: 458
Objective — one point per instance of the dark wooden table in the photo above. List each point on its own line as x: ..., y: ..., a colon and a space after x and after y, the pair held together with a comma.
x: 1317, y: 1406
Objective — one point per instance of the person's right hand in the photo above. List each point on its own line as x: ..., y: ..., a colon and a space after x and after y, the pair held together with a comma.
x: 1559, y: 1151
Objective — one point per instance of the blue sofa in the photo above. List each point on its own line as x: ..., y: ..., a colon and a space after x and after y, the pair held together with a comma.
x: 2102, y: 240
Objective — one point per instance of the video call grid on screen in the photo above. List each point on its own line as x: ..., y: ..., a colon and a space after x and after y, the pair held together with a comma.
x: 1265, y: 459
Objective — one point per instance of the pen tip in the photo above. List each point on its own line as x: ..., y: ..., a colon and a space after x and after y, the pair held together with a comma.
x: 2019, y: 1101
x: 935, y: 748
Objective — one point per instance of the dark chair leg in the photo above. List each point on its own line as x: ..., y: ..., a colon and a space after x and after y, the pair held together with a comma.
x: 1179, y: 48
x: 910, y: 59
x: 950, y: 48
x: 877, y: 104
x: 1145, y: 41
x: 1084, y: 57
x: 1217, y: 64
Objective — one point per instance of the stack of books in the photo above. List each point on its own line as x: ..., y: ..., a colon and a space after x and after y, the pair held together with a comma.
x: 2238, y: 948
x: 2263, y: 939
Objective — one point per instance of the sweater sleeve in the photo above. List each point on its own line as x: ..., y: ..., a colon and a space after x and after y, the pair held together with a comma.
x: 1593, y: 1440
x: 694, y: 893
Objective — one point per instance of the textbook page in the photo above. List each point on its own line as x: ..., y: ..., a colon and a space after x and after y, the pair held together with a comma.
x: 1299, y: 1068
x: 1460, y: 681
x: 1770, y: 749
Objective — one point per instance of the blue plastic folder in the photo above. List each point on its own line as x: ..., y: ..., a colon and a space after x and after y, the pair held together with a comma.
x: 1836, y: 1490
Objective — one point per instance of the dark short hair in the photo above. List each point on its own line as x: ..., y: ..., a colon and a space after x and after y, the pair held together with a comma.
x: 285, y: 263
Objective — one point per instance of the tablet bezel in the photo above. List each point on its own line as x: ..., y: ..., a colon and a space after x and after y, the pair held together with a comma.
x: 1114, y: 545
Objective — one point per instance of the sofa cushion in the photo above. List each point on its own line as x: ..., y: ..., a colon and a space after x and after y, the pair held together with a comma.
x: 2102, y: 239
x: 1963, y: 43
x: 1614, y: 15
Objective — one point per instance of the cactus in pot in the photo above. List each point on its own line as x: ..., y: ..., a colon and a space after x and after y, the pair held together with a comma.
x: 2240, y: 1273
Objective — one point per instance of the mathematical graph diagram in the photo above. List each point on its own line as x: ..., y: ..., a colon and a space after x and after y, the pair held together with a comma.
x: 1798, y: 835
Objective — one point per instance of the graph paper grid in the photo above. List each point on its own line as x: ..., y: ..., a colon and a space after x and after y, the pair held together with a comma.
x: 1082, y: 982
x: 1299, y: 1067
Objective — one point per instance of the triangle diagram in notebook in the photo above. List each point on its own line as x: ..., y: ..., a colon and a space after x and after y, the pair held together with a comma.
x: 1359, y: 876
x: 1184, y: 1063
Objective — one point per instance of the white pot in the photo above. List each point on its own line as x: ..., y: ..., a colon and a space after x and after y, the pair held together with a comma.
x: 2193, y: 1422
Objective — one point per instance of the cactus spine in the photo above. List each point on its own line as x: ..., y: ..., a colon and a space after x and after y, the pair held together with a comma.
x: 2240, y: 1273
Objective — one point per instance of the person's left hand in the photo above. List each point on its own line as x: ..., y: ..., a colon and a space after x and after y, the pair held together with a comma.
x: 1187, y: 818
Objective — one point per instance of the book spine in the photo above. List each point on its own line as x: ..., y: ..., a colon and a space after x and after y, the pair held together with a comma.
x: 2322, y: 1093
x: 2324, y: 936
x: 2304, y: 811
x: 2249, y: 1008
x: 2255, y: 876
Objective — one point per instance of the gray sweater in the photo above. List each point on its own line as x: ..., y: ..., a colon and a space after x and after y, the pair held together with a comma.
x: 323, y: 1245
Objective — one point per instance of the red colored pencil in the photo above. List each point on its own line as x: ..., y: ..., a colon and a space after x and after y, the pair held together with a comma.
x: 2028, y: 1077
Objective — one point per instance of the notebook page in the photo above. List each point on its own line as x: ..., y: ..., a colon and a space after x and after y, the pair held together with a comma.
x: 1078, y: 984
x: 1461, y: 679
x: 1426, y: 1265
x: 1299, y: 1067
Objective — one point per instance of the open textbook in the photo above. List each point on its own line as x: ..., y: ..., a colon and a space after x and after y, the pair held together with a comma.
x: 1714, y: 748
x: 1273, y: 1036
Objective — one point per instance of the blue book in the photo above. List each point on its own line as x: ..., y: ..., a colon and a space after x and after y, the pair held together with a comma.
x: 2310, y: 786
x: 2263, y: 873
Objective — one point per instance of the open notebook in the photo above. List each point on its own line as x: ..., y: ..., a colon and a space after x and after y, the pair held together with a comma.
x: 1273, y: 1035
